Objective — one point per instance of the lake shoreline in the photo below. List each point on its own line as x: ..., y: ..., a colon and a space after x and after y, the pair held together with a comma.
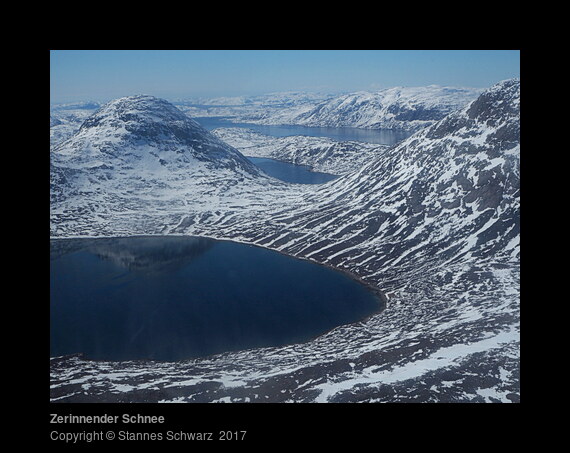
x: 377, y: 293
x: 380, y: 136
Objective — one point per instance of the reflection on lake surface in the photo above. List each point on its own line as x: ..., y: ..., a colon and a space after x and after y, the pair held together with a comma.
x: 173, y: 298
x: 377, y: 136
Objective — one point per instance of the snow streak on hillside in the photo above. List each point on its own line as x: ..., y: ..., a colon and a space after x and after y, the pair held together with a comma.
x: 433, y: 222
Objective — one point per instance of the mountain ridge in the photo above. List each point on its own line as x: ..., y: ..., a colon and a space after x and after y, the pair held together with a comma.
x: 400, y: 108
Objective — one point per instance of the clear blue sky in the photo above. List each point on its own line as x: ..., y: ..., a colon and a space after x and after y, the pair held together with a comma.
x: 102, y: 75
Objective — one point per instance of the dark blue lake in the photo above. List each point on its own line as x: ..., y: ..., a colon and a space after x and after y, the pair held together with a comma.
x: 300, y: 174
x: 174, y: 298
x: 378, y: 136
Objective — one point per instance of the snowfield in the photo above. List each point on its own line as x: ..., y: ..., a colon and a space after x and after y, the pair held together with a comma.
x: 433, y: 222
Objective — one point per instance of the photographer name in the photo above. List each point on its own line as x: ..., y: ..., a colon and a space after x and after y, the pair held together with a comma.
x: 106, y: 418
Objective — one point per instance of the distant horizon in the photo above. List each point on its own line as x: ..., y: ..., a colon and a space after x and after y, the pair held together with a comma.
x: 188, y: 98
x: 103, y: 75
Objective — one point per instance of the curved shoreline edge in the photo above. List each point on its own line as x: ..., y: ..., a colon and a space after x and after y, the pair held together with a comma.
x: 377, y: 292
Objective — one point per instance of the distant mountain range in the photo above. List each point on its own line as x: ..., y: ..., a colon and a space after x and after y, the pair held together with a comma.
x: 433, y: 222
x: 277, y: 99
x: 397, y: 108
x: 405, y: 108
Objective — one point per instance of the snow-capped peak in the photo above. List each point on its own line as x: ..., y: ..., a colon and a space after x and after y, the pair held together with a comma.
x: 147, y: 128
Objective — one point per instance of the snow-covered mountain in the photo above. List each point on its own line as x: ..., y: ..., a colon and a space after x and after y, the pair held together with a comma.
x: 237, y: 107
x: 433, y: 222
x: 276, y: 99
x: 142, y: 154
x: 405, y: 108
x: 148, y: 132
x: 462, y: 171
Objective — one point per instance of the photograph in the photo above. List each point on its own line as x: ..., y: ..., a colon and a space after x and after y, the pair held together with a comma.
x: 281, y: 226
